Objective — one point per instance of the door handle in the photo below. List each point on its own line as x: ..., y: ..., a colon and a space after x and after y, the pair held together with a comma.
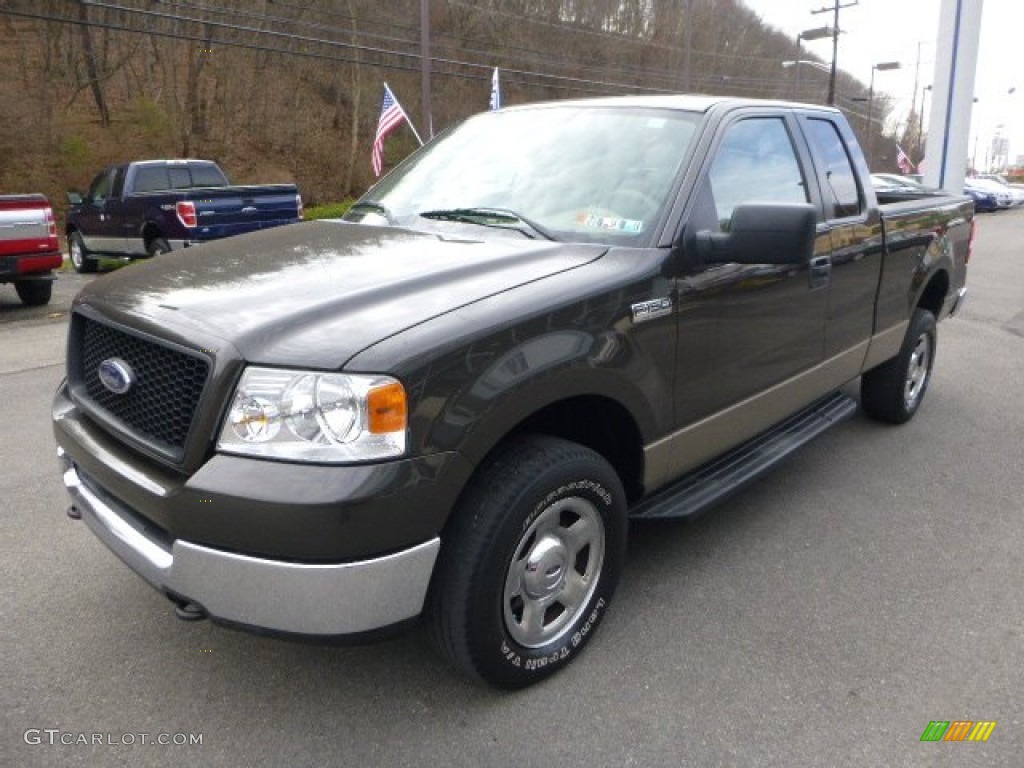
x: 820, y: 271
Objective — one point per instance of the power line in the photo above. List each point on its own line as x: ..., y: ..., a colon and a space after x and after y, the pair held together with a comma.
x: 667, y: 80
x: 578, y: 84
x: 550, y: 80
x: 575, y: 29
x: 450, y: 67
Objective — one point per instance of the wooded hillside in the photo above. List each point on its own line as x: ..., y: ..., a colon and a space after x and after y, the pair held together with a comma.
x: 290, y: 90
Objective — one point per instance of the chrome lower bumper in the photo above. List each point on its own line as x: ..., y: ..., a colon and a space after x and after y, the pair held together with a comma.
x: 312, y: 599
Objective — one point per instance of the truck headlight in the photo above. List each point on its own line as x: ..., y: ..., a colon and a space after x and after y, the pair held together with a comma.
x: 329, y: 418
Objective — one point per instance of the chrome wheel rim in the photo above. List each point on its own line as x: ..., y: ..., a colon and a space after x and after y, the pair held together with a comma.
x: 554, y: 572
x: 917, y: 372
x: 76, y: 253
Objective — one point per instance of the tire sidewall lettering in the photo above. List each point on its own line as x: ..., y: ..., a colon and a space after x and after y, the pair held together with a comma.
x: 590, y: 489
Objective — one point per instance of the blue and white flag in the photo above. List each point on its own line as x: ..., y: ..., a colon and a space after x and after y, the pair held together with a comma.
x: 495, y: 91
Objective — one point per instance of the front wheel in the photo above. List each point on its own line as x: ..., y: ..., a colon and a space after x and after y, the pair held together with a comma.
x: 80, y: 258
x: 530, y: 563
x: 893, y: 391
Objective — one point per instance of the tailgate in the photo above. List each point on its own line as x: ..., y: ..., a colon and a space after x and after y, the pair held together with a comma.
x: 26, y: 226
x: 224, y: 211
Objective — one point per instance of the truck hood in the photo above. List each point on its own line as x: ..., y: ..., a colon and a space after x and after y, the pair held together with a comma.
x: 315, y: 294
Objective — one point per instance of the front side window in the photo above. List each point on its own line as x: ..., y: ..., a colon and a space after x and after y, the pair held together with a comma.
x: 582, y: 173
x: 755, y: 163
x: 101, y: 185
x: 841, y: 182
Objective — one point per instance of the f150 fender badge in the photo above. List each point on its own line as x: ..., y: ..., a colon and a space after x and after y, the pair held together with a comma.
x: 649, y: 310
x: 116, y: 375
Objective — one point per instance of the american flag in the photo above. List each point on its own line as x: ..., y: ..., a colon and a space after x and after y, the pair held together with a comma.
x: 903, y: 160
x: 391, y: 116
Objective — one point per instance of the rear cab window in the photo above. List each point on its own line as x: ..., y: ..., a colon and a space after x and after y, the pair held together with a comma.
x: 843, y: 198
x: 206, y: 175
x: 151, y: 178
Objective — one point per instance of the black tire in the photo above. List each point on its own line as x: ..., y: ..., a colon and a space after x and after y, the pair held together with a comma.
x: 542, y: 502
x: 158, y: 246
x: 34, y: 293
x: 893, y: 391
x: 83, y: 263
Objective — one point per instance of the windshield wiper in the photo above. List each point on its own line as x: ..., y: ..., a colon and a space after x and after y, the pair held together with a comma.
x: 373, y: 207
x: 500, y: 218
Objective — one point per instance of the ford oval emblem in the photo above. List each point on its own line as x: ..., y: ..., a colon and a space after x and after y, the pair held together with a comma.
x: 116, y: 375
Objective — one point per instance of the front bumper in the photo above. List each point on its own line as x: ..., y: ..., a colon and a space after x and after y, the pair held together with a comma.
x: 300, y: 598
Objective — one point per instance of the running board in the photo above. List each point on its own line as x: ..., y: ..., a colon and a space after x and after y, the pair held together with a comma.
x: 720, y: 478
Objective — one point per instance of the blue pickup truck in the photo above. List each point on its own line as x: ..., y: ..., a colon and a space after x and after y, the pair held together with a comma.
x: 151, y: 207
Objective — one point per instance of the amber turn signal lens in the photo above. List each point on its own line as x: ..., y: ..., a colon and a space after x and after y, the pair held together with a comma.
x: 386, y: 408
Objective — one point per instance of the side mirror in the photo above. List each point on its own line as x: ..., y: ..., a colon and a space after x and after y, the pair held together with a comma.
x: 75, y: 198
x: 763, y: 233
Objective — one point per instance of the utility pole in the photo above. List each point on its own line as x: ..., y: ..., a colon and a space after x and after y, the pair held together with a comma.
x: 834, y: 9
x: 688, y: 42
x: 428, y: 117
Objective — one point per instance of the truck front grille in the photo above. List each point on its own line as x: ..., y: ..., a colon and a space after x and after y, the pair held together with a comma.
x: 159, y: 408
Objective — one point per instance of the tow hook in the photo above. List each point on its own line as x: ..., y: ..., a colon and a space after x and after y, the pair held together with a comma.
x: 74, y: 513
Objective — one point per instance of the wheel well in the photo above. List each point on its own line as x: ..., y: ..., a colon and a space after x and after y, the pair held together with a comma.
x: 602, y: 425
x: 934, y: 294
x: 151, y: 232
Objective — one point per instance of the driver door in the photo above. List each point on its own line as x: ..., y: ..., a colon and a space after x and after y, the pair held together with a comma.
x: 746, y: 328
x: 95, y: 221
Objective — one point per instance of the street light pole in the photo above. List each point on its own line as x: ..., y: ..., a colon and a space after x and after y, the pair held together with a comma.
x: 920, y: 122
x: 817, y: 33
x: 880, y: 67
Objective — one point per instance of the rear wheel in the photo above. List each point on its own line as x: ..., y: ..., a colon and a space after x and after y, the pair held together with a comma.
x: 893, y: 391
x: 158, y: 246
x: 34, y: 293
x: 80, y: 259
x: 530, y: 563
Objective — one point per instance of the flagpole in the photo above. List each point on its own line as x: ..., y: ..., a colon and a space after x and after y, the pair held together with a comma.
x: 413, y: 127
x: 404, y: 114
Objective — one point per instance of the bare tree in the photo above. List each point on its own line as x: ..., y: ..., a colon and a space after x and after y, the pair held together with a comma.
x: 92, y: 68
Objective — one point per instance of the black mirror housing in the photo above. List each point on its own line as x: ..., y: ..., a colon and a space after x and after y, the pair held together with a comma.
x: 763, y: 233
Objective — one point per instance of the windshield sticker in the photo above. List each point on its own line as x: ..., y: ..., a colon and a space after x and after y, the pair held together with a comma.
x: 632, y: 226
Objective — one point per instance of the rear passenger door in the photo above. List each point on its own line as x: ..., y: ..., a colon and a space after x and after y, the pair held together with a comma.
x: 855, y: 229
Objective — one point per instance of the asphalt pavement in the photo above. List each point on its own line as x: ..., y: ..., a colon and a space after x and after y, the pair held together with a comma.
x: 870, y: 585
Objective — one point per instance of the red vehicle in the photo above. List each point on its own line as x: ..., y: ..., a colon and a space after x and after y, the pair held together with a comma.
x: 29, y: 250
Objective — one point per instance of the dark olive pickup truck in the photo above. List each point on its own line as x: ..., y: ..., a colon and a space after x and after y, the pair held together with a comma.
x: 549, y: 320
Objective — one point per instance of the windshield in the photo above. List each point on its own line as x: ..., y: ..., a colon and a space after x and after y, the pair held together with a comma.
x: 573, y: 173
